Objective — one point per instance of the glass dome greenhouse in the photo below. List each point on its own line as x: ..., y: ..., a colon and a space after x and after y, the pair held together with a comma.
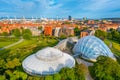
x: 47, y: 61
x: 90, y: 47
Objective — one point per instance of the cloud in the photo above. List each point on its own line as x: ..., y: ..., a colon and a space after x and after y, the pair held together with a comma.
x: 62, y: 8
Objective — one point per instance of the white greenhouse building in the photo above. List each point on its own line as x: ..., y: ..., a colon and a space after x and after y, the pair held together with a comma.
x: 47, y: 61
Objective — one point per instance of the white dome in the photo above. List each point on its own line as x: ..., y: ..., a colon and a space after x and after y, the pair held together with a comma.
x: 47, y: 61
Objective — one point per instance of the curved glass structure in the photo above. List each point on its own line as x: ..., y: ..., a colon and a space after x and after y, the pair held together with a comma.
x: 90, y: 47
x: 47, y: 61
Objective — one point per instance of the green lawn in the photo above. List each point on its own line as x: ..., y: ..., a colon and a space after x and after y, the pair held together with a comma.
x: 3, y: 44
x: 27, y: 47
x: 7, y: 41
x: 115, y: 46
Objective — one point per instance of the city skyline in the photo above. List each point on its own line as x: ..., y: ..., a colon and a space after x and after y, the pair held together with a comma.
x: 60, y: 8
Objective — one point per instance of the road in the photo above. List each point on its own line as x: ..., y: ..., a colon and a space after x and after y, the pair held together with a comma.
x: 21, y: 40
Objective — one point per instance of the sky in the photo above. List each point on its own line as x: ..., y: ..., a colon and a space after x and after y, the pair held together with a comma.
x: 60, y: 8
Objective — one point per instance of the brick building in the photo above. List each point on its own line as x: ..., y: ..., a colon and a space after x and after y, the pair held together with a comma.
x: 86, y: 33
x: 48, y: 31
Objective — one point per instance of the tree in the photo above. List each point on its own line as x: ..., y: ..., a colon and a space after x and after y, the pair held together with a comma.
x: 100, y: 34
x: 16, y: 62
x: 20, y: 75
x: 27, y: 36
x: 49, y: 77
x: 2, y: 77
x: 40, y: 28
x: 109, y: 35
x: 26, y: 31
x: 80, y: 71
x: 2, y: 66
x: 106, y: 69
x: 63, y: 36
x: 57, y: 76
x: 115, y: 34
x: 12, y: 64
x: 15, y: 75
x: 70, y: 74
x: 5, y: 34
x: 67, y: 74
x: 77, y: 31
x: 63, y: 73
x: 16, y: 33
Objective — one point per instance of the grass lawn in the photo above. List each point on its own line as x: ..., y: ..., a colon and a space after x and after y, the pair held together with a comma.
x: 115, y: 46
x: 7, y: 41
x: 3, y: 44
x: 27, y: 47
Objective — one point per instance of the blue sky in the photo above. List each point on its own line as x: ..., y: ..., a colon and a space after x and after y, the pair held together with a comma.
x: 60, y: 8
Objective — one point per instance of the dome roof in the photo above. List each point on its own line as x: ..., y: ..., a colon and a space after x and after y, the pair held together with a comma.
x: 50, y: 54
x: 47, y: 61
x: 90, y: 47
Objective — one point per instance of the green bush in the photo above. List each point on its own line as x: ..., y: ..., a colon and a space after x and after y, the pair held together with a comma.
x: 63, y: 36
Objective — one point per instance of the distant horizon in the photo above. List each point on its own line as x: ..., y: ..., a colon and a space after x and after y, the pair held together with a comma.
x: 20, y: 17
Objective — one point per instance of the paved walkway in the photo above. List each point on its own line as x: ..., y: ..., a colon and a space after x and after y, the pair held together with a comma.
x: 21, y: 40
x: 110, y: 45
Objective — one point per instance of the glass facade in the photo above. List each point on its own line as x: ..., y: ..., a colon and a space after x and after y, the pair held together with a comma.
x: 90, y: 47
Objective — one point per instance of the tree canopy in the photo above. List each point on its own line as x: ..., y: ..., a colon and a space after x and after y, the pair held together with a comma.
x: 114, y: 35
x: 101, y: 34
x: 77, y: 31
x: 26, y: 34
x: 105, y: 69
x: 16, y: 33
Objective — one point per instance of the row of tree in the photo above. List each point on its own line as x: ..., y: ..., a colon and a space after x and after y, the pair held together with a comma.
x: 25, y: 33
x: 11, y: 70
x: 111, y: 34
x: 114, y: 35
x: 101, y: 34
x: 76, y: 73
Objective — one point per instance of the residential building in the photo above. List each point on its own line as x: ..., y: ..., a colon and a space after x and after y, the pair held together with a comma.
x: 86, y: 33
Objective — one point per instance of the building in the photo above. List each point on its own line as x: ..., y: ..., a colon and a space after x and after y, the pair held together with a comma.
x: 86, y: 33
x: 47, y: 61
x: 90, y: 22
x: 109, y: 26
x: 118, y: 29
x: 56, y: 31
x: 48, y: 30
x: 69, y: 18
x: 90, y: 47
x: 70, y: 31
x: 35, y: 31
